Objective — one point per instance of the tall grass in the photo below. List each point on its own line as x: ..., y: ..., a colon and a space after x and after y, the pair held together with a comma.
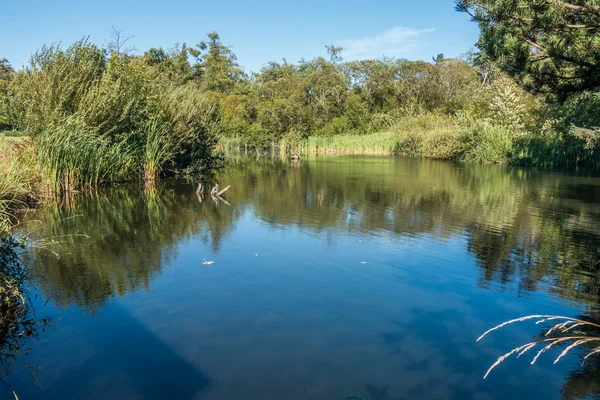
x: 88, y: 114
x: 73, y: 156
x: 157, y: 150
x: 18, y: 182
x: 426, y: 135
x: 376, y: 143
x: 571, y: 332
x: 53, y: 85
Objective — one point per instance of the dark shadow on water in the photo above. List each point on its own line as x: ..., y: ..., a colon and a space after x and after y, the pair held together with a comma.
x: 131, y: 364
x: 379, y: 393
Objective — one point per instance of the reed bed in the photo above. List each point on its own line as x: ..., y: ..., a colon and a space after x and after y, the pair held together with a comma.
x: 157, y: 150
x: 73, y: 156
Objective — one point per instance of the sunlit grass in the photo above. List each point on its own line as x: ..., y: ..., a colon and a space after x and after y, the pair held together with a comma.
x: 572, y: 332
x: 18, y: 182
x: 72, y: 156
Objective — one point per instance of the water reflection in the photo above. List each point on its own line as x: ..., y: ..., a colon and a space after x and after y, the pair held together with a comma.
x: 527, y: 231
x: 116, y: 241
x: 529, y: 228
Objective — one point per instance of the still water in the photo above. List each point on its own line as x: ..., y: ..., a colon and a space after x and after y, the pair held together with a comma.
x: 332, y: 277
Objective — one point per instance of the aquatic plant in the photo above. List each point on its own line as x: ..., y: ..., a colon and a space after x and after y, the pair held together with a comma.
x: 72, y: 155
x: 157, y: 150
x: 562, y: 332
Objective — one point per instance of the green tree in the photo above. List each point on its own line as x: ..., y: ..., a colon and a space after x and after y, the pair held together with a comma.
x: 550, y: 46
x: 6, y: 75
x: 216, y: 65
x: 174, y: 63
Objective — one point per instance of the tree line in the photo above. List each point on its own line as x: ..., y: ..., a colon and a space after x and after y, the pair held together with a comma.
x: 528, y: 94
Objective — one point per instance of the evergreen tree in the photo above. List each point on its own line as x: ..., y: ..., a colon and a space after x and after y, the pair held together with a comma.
x: 550, y: 46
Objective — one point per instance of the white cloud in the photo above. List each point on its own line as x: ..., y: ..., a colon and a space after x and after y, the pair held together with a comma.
x: 393, y: 42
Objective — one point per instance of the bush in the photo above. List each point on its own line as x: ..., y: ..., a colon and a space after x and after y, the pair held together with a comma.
x: 490, y: 143
x: 98, y: 119
x: 53, y: 85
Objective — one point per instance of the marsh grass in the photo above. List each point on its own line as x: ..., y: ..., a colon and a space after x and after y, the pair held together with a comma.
x: 19, y: 182
x: 157, y: 150
x: 377, y: 143
x: 571, y: 332
x: 426, y: 135
x: 73, y: 156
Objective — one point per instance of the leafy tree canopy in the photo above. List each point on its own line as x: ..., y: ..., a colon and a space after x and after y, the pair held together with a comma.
x: 550, y: 46
x: 216, y: 65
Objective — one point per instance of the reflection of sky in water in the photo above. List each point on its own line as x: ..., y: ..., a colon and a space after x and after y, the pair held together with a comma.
x: 291, y: 311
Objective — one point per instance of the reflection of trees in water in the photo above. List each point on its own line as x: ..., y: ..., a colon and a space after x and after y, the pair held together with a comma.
x: 522, y: 225
x: 132, y: 233
x: 532, y: 227
x: 18, y: 322
x: 583, y: 382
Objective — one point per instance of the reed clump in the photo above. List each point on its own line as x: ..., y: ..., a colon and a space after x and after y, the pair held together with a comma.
x: 156, y: 151
x: 96, y: 117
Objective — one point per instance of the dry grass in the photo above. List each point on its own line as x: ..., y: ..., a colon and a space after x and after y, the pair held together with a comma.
x: 555, y: 335
x: 8, y: 141
x: 19, y: 178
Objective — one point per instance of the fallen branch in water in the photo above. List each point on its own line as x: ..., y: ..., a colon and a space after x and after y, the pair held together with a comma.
x: 223, y: 191
x: 216, y: 194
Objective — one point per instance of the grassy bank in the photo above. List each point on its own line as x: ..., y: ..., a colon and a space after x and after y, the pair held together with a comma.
x: 442, y: 137
x: 20, y: 185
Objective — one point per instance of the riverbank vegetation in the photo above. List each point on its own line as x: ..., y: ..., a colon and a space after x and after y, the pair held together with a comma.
x: 528, y: 95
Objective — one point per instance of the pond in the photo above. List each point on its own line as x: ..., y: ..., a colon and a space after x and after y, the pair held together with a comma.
x: 329, y: 277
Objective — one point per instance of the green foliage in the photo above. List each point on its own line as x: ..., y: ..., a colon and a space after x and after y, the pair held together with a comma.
x: 157, y: 149
x: 320, y: 97
x: 216, y: 65
x: 6, y: 75
x: 18, y: 181
x: 490, y: 143
x: 583, y: 110
x: 172, y: 64
x: 507, y: 110
x: 73, y: 155
x: 549, y: 46
x: 192, y: 124
x: 192, y: 97
x: 88, y: 115
x: 54, y: 84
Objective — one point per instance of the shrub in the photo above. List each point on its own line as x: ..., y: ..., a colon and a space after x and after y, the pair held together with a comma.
x: 490, y: 143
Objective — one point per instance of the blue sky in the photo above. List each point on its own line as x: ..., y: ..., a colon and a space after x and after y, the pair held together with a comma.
x: 257, y: 31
